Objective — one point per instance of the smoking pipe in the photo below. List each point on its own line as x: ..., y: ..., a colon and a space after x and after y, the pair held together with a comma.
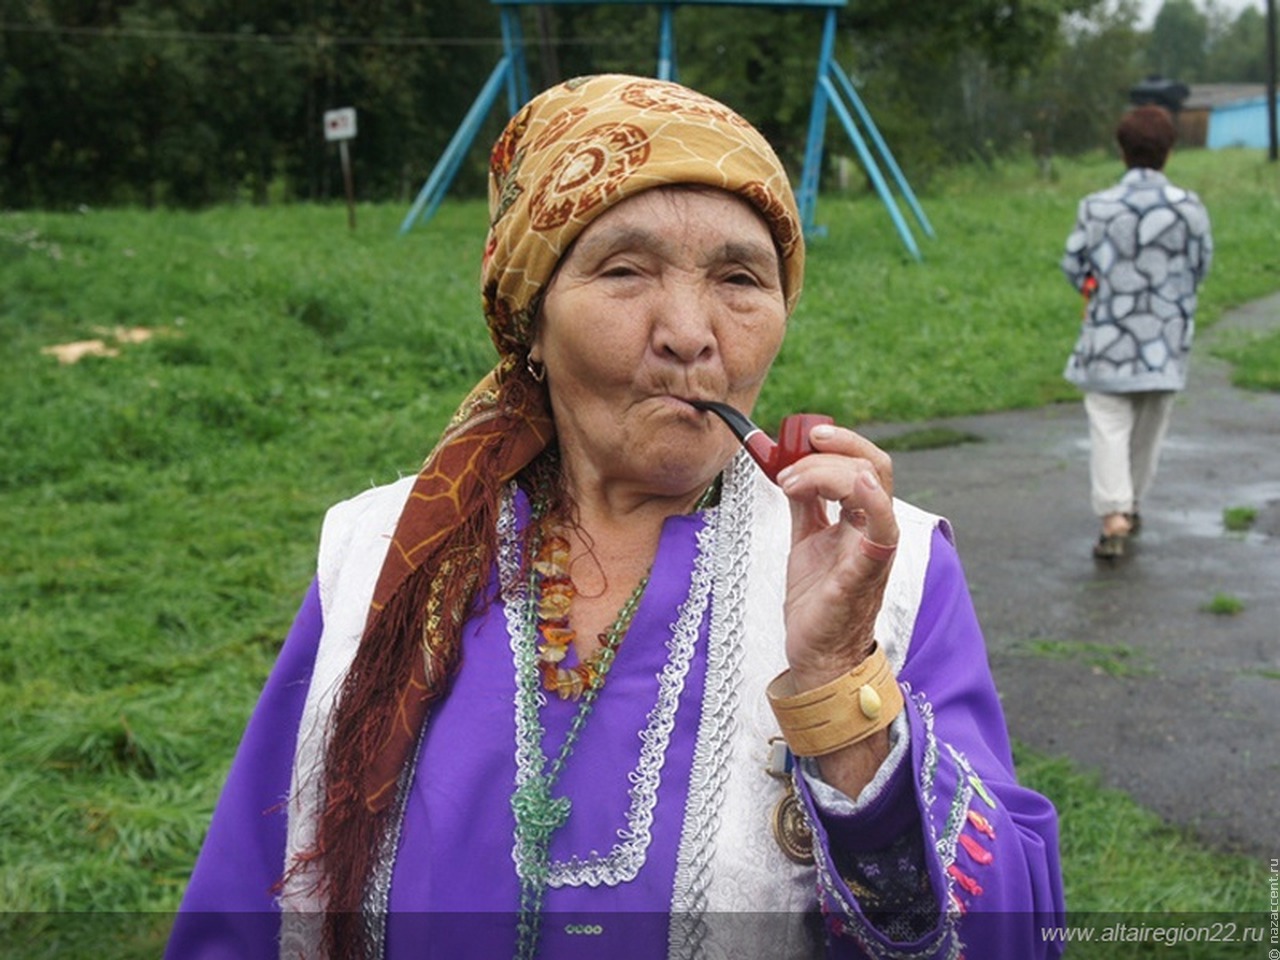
x: 793, y: 436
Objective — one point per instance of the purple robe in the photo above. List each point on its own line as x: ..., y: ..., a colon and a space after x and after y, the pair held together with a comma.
x: 454, y: 888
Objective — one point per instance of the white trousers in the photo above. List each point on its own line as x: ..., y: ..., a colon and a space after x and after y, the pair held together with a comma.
x: 1126, y: 431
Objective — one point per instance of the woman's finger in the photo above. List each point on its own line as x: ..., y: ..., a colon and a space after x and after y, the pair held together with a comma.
x: 853, y: 484
x: 827, y: 438
x: 877, y: 525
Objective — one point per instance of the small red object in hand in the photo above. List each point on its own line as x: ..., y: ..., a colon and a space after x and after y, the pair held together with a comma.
x: 1088, y: 289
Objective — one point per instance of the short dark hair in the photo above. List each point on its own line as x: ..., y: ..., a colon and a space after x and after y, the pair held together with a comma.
x: 1146, y: 134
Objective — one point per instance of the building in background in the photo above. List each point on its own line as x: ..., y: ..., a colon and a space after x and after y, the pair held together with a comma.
x: 1234, y: 115
x: 1213, y: 115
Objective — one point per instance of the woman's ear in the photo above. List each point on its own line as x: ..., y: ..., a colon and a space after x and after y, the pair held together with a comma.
x: 538, y: 325
x: 533, y: 360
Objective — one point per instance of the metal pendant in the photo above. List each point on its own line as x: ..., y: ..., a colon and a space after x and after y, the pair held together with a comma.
x: 791, y: 830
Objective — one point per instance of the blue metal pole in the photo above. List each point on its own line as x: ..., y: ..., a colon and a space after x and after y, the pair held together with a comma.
x: 666, y: 42
x: 446, y: 168
x: 809, y: 177
x: 846, y: 86
x: 873, y: 171
x: 513, y: 51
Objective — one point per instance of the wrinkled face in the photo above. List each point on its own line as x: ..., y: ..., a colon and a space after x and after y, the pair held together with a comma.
x: 674, y: 294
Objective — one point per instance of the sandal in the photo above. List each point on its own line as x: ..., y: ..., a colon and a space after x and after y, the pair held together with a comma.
x: 1110, y: 546
x: 1135, y: 523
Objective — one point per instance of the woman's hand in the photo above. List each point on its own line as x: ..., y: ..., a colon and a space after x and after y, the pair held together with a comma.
x: 837, y: 571
x: 836, y: 576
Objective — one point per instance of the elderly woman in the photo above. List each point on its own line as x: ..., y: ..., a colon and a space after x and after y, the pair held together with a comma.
x: 540, y: 698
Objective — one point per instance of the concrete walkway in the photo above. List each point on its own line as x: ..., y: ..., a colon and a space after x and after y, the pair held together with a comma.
x: 1118, y: 666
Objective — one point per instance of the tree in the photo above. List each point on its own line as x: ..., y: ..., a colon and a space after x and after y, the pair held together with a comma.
x: 1073, y: 100
x: 1239, y: 53
x: 55, y: 116
x: 195, y: 101
x: 1179, y: 42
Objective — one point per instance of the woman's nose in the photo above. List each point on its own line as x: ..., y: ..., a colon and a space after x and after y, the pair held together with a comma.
x: 684, y: 329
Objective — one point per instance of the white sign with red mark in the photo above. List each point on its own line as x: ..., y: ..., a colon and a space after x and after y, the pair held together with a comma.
x: 340, y: 124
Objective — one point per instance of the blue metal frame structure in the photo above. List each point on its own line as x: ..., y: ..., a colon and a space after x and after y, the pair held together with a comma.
x: 832, y: 89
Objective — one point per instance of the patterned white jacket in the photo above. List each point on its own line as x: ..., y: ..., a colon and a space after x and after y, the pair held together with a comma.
x: 1147, y: 244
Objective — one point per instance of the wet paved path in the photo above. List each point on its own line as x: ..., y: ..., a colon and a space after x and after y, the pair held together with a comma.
x: 1118, y: 666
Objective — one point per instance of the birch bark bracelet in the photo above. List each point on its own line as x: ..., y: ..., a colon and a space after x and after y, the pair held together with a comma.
x: 837, y: 714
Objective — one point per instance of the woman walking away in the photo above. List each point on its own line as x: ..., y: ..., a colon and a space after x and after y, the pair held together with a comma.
x: 1138, y: 253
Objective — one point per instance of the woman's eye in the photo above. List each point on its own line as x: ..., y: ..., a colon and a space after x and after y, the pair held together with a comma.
x: 743, y: 279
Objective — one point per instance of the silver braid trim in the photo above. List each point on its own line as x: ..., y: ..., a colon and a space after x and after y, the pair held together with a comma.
x: 710, y: 770
x: 626, y: 858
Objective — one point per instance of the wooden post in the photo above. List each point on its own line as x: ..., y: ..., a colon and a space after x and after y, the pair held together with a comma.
x: 340, y: 125
x: 347, y: 182
x: 1271, y: 79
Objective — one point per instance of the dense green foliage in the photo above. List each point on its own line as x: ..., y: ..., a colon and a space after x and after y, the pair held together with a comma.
x: 1207, y: 46
x: 161, y: 506
x: 202, y: 101
x: 209, y: 101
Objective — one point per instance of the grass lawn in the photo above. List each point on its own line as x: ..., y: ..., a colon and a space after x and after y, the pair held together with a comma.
x: 160, y: 506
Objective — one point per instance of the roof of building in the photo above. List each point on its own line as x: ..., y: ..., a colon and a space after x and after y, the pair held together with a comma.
x: 1206, y: 96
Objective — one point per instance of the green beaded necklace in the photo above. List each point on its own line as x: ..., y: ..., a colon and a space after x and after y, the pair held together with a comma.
x: 538, y: 814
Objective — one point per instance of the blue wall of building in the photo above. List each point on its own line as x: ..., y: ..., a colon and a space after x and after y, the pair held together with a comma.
x: 1241, y: 124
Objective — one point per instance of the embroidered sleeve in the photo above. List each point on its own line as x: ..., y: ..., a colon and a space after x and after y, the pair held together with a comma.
x: 892, y: 885
x: 891, y: 882
x: 952, y: 856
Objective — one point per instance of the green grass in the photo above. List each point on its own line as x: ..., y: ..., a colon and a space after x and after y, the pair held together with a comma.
x: 161, y: 507
x: 1122, y: 863
x: 1224, y: 605
x: 987, y: 320
x: 1238, y: 519
x: 1256, y: 362
x: 926, y: 438
x: 1119, y: 660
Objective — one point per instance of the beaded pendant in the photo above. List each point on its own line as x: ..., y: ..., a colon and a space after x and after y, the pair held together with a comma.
x: 556, y: 635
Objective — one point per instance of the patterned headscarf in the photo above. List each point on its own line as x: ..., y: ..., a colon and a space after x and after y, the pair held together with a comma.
x: 569, y: 155
x: 582, y: 147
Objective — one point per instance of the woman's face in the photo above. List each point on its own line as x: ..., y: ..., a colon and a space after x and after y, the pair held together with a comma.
x: 674, y: 294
